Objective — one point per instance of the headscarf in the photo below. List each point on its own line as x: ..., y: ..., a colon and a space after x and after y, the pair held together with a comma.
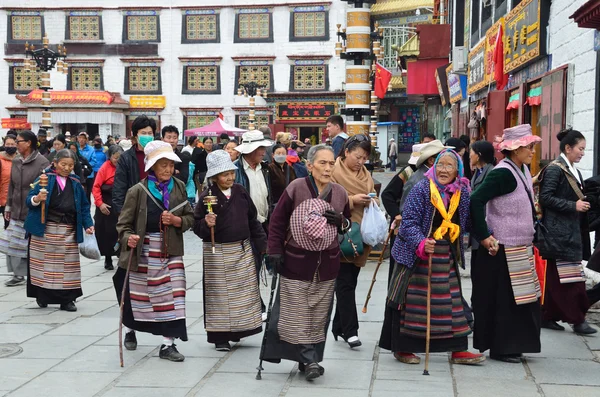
x: 160, y: 190
x: 446, y: 191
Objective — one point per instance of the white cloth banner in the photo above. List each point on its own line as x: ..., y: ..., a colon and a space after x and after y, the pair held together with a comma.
x: 78, y: 117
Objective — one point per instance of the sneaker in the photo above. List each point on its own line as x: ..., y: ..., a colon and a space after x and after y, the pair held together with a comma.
x: 353, y: 342
x: 68, y: 307
x: 467, y: 358
x: 223, y: 347
x: 584, y: 329
x: 407, y: 358
x: 16, y: 280
x: 130, y: 341
x: 170, y: 353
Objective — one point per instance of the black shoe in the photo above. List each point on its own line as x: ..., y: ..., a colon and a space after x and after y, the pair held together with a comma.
x: 584, y: 329
x: 40, y: 303
x: 223, y: 347
x: 130, y: 341
x: 170, y: 353
x: 312, y: 371
x: 68, y: 307
x: 302, y: 368
x: 15, y: 281
x: 507, y: 358
x: 353, y: 342
x: 108, y: 264
x: 335, y: 336
x: 553, y: 325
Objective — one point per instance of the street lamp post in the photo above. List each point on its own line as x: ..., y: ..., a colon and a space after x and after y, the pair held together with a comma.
x: 251, y: 89
x: 45, y: 59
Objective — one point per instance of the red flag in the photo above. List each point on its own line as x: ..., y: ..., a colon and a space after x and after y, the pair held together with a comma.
x: 221, y: 116
x: 498, y: 59
x: 382, y: 81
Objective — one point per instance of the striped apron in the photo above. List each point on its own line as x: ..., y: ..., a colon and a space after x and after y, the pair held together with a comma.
x: 157, y: 289
x: 523, y: 277
x: 231, y: 294
x: 304, y: 310
x: 54, y: 258
x: 13, y: 241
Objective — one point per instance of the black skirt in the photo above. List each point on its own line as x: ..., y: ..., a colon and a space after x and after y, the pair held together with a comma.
x: 501, y: 326
x: 171, y: 329
x: 106, y: 225
x: 564, y: 302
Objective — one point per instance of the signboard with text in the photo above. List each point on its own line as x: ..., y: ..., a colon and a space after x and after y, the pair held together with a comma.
x: 305, y: 111
x: 147, y: 101
x: 457, y: 85
x: 16, y: 123
x: 477, y: 79
x: 490, y: 45
x: 525, y: 34
x: 74, y: 96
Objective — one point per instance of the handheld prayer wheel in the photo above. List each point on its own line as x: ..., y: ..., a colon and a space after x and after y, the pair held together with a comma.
x: 43, y: 184
x: 209, y: 201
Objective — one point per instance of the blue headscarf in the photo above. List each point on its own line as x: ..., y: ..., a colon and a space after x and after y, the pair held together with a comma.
x: 446, y: 191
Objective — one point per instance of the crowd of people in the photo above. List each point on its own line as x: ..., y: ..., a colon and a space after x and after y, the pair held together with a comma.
x: 295, y: 210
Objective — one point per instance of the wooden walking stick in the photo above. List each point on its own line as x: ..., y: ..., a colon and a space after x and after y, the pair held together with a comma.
x: 131, y: 251
x: 385, y: 244
x: 209, y: 201
x: 43, y: 185
x: 428, y: 330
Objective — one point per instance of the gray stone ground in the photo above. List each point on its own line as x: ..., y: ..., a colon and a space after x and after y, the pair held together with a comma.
x: 76, y: 354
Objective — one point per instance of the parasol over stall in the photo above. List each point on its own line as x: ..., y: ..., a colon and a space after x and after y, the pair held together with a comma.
x: 215, y: 128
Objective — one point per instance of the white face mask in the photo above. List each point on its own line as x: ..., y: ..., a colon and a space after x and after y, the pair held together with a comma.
x: 280, y: 158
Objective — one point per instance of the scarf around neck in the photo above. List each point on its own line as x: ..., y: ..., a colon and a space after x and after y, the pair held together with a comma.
x: 354, y: 183
x: 445, y: 191
x: 160, y: 190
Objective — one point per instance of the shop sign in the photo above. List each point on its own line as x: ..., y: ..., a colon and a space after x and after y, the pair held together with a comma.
x: 440, y: 89
x: 476, y: 71
x: 147, y: 101
x: 524, y: 34
x: 531, y: 72
x: 441, y: 79
x: 457, y: 85
x: 74, y: 96
x: 16, y: 123
x: 490, y: 45
x: 467, y: 22
x: 305, y: 111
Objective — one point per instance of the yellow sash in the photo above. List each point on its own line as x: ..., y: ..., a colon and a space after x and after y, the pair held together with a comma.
x: 447, y: 226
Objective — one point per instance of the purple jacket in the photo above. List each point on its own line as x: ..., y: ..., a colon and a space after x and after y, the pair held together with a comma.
x: 416, y: 222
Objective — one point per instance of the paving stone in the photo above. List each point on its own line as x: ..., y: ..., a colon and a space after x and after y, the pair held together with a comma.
x: 341, y: 350
x: 16, y: 371
x: 197, y: 346
x: 194, y: 295
x: 48, y: 346
x: 391, y: 369
x: 143, y: 338
x: 572, y: 372
x: 86, y: 326
x: 570, y: 390
x: 246, y: 359
x: 152, y: 372
x: 102, y: 359
x: 146, y: 392
x: 477, y: 386
x: 17, y: 333
x: 91, y: 288
x: 104, y: 294
x: 426, y: 387
x: 312, y: 391
x: 67, y: 384
x: 338, y: 372
x: 491, y: 369
x: 563, y: 344
x: 221, y: 384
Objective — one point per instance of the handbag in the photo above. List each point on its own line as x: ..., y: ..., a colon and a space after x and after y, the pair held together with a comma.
x: 352, y: 244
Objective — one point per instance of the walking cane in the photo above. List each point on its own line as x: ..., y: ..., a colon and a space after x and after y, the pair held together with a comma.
x: 428, y: 331
x: 264, y: 341
x: 121, y: 306
x: 385, y: 244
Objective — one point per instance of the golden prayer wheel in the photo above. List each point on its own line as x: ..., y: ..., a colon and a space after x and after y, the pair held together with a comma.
x: 358, y: 17
x: 358, y: 96
x: 357, y: 74
x: 357, y: 127
x: 358, y: 39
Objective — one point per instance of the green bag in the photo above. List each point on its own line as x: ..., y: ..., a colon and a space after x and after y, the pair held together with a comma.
x: 352, y: 245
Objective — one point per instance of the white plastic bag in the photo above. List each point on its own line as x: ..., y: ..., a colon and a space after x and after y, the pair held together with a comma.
x: 89, y: 247
x: 374, y: 226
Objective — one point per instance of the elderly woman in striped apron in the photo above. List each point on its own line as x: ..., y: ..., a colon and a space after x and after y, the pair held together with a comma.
x: 54, y: 270
x: 154, y: 216
x: 304, y: 250
x: 231, y: 295
x: 428, y: 252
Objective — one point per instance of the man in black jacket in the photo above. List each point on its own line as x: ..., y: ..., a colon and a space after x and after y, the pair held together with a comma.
x: 170, y: 134
x: 130, y: 168
x: 43, y: 145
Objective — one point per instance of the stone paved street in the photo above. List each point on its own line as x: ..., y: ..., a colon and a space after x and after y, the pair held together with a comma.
x: 76, y: 354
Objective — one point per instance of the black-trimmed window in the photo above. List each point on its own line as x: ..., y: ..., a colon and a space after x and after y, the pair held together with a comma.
x: 309, y: 26
x: 501, y: 9
x: 85, y: 78
x: 200, y: 28
x: 486, y: 17
x: 475, y: 23
x: 241, y: 121
x: 25, y: 28
x: 261, y: 74
x: 143, y: 80
x: 141, y: 29
x: 309, y: 78
x: 199, y: 80
x: 196, y: 121
x: 22, y: 81
x: 253, y: 28
x: 84, y: 28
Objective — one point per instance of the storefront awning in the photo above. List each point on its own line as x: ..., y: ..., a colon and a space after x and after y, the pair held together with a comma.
x: 78, y: 117
x: 410, y: 48
x: 421, y: 76
x: 398, y: 83
x: 513, y: 102
x: 588, y: 15
x: 395, y: 6
x: 534, y: 96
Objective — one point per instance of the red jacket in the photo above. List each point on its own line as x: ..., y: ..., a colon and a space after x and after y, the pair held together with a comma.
x: 105, y: 176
